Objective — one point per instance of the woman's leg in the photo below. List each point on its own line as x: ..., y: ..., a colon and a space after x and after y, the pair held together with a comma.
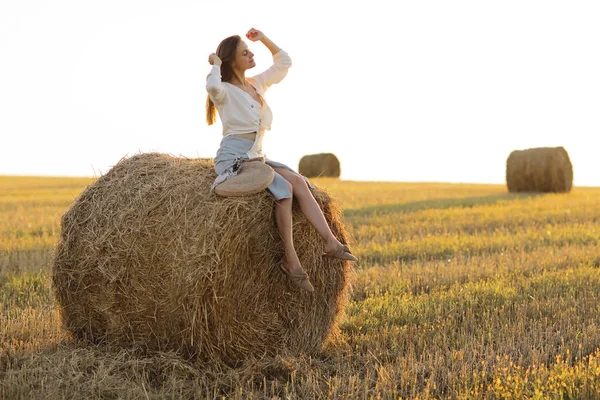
x: 309, y: 207
x: 291, y: 263
x: 283, y: 218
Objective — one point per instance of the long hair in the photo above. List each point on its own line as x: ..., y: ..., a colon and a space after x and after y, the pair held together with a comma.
x: 226, y: 52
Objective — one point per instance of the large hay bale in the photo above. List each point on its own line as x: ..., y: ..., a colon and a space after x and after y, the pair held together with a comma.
x: 148, y: 257
x: 319, y: 165
x: 543, y: 169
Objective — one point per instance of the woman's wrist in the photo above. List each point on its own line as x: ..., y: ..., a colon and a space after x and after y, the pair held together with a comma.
x: 270, y: 45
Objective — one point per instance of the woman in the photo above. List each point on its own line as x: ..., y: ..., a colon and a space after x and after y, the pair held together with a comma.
x: 246, y: 116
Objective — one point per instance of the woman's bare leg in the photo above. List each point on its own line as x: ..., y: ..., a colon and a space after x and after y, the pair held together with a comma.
x: 283, y: 218
x: 309, y: 207
x: 291, y: 263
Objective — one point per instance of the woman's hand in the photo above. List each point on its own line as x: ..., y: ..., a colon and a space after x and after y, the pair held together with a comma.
x: 255, y: 35
x: 213, y: 59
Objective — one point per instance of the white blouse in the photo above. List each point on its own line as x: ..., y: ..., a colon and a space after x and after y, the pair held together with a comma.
x: 238, y: 111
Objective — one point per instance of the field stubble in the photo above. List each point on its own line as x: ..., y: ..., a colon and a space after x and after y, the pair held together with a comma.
x: 463, y: 291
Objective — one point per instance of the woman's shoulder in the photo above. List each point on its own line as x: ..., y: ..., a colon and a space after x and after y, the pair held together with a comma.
x: 256, y: 83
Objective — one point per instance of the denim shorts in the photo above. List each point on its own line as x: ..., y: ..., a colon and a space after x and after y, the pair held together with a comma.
x: 233, y: 147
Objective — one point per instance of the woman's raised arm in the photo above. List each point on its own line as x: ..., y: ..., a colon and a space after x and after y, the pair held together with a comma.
x: 281, y: 60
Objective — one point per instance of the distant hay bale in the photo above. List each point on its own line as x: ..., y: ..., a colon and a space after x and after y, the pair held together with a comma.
x: 148, y: 257
x: 319, y: 165
x: 543, y: 169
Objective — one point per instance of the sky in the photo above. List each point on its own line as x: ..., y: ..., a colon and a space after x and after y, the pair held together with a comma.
x: 398, y: 90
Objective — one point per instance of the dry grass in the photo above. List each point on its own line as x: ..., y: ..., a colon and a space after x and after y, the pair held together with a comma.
x: 30, y: 211
x: 463, y: 291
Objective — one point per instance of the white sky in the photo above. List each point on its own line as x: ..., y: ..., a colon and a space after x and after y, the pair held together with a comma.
x: 418, y: 91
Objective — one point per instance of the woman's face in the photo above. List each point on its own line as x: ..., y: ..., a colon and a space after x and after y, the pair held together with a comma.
x: 244, y: 58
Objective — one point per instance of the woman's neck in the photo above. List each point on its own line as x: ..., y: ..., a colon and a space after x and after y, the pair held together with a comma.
x: 239, y: 78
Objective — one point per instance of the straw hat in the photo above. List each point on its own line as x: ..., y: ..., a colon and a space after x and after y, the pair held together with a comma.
x: 253, y: 177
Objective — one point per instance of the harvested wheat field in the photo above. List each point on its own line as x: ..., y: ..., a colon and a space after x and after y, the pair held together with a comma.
x: 149, y: 257
x: 463, y: 291
x: 542, y: 169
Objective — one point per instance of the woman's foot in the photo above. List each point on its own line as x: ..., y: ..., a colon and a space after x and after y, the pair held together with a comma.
x: 335, y: 249
x: 297, y: 275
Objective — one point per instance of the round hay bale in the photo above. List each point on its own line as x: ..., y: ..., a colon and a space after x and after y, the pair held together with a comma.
x: 148, y: 257
x: 543, y: 169
x: 319, y: 165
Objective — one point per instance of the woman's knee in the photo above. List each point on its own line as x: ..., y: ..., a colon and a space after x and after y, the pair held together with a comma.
x: 290, y: 186
x: 299, y: 184
x: 296, y: 181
